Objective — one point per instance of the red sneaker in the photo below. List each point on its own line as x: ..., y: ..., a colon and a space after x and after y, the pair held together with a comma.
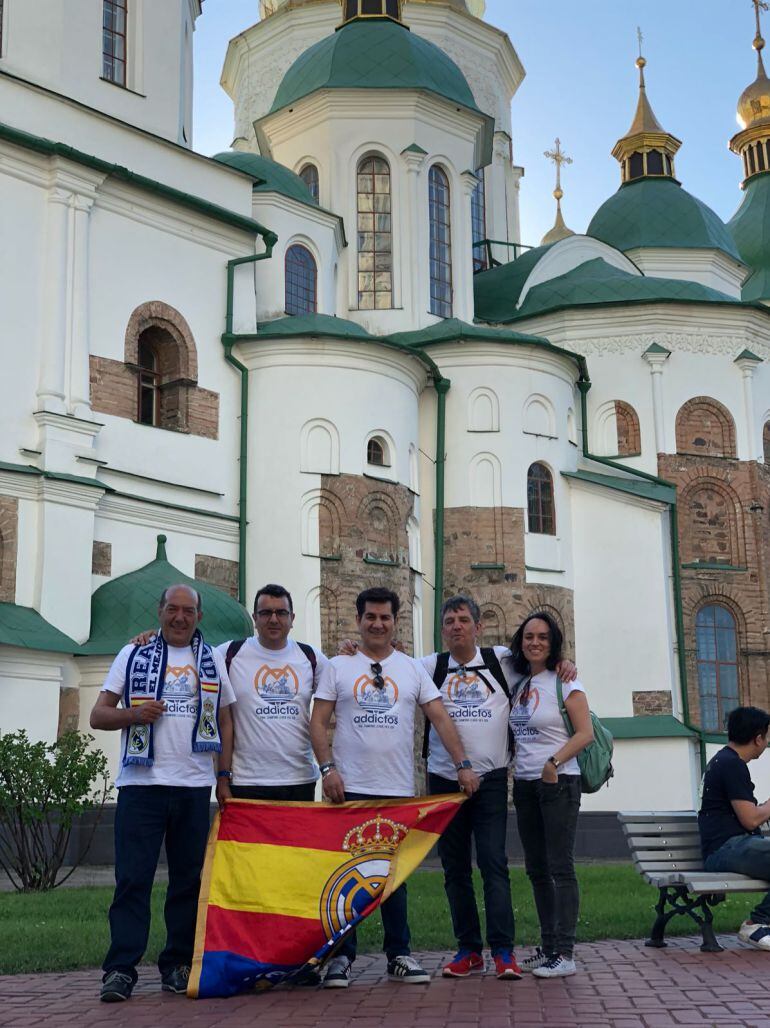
x: 464, y: 963
x: 506, y: 966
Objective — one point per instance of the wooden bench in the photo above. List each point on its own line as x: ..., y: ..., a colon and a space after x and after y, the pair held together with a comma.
x: 665, y: 847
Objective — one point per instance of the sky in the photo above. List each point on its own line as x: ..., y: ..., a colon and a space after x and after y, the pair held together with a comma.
x: 581, y: 85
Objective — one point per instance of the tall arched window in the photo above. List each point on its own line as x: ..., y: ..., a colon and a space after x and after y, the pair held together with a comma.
x: 301, y: 281
x: 375, y: 235
x: 114, y: 32
x: 479, y: 222
x: 541, y: 516
x: 716, y: 649
x: 148, y: 412
x: 309, y: 175
x: 440, y: 243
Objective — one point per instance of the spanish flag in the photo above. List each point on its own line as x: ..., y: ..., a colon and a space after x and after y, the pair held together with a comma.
x: 284, y: 882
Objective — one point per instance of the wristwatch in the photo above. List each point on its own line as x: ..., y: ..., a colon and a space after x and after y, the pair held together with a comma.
x: 464, y: 765
x: 556, y: 763
x: 327, y: 768
x: 224, y: 774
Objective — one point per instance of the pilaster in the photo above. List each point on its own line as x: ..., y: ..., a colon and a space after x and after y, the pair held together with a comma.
x: 656, y: 357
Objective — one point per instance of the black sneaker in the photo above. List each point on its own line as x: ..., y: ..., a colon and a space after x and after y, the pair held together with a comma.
x: 337, y: 973
x: 176, y: 980
x: 116, y: 987
x: 307, y: 978
x: 406, y: 969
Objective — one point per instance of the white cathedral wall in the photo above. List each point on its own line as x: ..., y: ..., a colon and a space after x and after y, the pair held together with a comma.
x: 29, y: 683
x: 650, y: 774
x: 711, y: 268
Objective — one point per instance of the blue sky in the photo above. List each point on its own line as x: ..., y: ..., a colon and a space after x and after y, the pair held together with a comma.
x: 582, y: 86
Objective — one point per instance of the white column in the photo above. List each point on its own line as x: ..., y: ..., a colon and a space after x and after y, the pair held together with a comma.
x: 78, y: 348
x: 462, y: 257
x: 417, y: 256
x: 748, y: 363
x: 51, y: 389
x: 656, y: 356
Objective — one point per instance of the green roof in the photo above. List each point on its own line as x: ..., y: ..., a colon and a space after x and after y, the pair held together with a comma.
x: 128, y: 605
x: 497, y: 291
x: 269, y: 176
x: 23, y: 626
x: 647, y: 726
x: 452, y: 330
x: 651, y: 212
x: 750, y: 228
x: 313, y: 325
x: 376, y: 54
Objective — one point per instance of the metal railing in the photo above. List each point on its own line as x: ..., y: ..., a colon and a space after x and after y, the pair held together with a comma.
x: 491, y: 253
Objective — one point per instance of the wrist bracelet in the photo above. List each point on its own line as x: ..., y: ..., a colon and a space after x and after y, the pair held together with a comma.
x: 224, y: 774
x: 327, y: 768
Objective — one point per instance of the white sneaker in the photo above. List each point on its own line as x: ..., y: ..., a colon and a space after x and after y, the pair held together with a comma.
x: 537, y: 959
x: 337, y: 973
x: 406, y: 969
x: 756, y: 935
x: 556, y: 967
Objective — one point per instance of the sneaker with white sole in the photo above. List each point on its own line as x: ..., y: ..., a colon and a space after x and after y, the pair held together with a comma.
x: 407, y: 969
x: 337, y: 973
x: 755, y: 934
x: 116, y: 987
x: 537, y: 959
x: 556, y: 967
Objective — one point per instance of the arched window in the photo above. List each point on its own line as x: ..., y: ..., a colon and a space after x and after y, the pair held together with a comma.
x: 716, y: 648
x: 479, y: 222
x: 704, y: 426
x: 309, y: 175
x: 636, y: 165
x: 628, y: 431
x: 148, y: 412
x: 301, y: 281
x: 377, y: 452
x: 114, y: 32
x: 440, y: 243
x: 375, y: 235
x: 541, y: 517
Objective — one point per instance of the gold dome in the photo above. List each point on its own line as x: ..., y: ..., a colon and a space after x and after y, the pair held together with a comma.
x: 752, y: 141
x: 754, y: 104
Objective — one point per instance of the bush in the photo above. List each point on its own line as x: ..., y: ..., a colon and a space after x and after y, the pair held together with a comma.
x: 43, y: 789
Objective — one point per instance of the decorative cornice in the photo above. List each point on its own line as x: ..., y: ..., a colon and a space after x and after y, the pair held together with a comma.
x: 685, y: 342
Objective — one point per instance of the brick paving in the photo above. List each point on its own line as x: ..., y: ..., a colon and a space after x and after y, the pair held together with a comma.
x: 619, y: 985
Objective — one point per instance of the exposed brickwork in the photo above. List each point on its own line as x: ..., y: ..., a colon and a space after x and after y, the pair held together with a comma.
x: 101, y: 559
x: 159, y: 315
x: 766, y: 442
x: 705, y: 427
x: 202, y: 412
x: 629, y: 434
x: 218, y: 571
x: 113, y: 388
x: 69, y: 711
x: 9, y: 542
x: 724, y: 518
x: 655, y: 702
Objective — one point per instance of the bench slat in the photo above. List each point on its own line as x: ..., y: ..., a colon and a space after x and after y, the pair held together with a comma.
x: 683, y: 853
x: 651, y: 842
x: 728, y: 881
x: 657, y: 815
x: 692, y: 866
x: 633, y: 828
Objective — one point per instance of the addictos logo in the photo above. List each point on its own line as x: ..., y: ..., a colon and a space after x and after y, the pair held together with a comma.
x: 181, y: 683
x: 276, y: 684
x: 359, y: 882
x: 467, y: 689
x: 368, y: 696
x: 522, y: 713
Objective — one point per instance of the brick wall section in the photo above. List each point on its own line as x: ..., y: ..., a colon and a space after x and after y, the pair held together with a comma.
x: 219, y: 572
x: 745, y: 524
x: 101, y: 559
x: 629, y: 434
x: 655, y: 702
x: 69, y: 711
x: 706, y: 428
x: 9, y: 543
x: 113, y: 388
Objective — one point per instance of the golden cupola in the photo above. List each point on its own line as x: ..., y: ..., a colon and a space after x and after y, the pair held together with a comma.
x: 752, y: 143
x: 559, y: 230
x: 646, y: 150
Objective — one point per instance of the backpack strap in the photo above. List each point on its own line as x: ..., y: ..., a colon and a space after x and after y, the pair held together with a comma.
x: 439, y: 676
x: 232, y: 650
x: 312, y: 659
x: 491, y: 662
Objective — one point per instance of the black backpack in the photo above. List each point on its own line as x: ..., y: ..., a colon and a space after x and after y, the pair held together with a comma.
x: 309, y: 652
x: 489, y: 663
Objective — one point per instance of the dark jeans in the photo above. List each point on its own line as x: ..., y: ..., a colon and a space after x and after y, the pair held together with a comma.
x: 145, y: 815
x: 303, y: 793
x: 482, y: 817
x: 393, y: 912
x: 747, y: 855
x: 547, y: 819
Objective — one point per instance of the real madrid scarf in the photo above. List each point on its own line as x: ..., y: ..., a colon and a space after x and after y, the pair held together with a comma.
x: 145, y: 677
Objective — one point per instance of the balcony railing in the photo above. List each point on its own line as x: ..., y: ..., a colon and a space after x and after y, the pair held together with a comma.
x: 491, y: 253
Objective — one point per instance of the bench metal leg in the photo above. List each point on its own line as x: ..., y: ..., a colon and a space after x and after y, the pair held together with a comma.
x: 656, y: 940
x: 680, y: 902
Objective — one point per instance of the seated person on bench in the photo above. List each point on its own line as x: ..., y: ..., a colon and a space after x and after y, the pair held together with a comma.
x: 730, y: 817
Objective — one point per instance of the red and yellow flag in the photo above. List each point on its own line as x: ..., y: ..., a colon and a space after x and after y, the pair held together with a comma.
x: 283, y: 882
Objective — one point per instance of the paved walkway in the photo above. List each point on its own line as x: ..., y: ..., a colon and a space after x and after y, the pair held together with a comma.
x: 620, y: 985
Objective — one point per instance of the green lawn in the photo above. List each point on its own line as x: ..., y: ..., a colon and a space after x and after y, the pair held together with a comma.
x: 67, y: 928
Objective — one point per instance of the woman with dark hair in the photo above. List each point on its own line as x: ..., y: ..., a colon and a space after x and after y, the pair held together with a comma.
x: 546, y: 788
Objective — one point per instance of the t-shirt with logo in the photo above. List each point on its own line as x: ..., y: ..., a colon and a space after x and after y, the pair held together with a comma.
x: 174, y: 761
x: 479, y: 709
x: 374, y: 733
x: 271, y: 716
x: 538, y: 727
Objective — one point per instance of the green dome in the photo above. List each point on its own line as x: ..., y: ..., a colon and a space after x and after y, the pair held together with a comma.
x: 269, y: 176
x: 750, y: 228
x: 128, y: 605
x: 374, y: 54
x: 658, y: 213
x: 496, y: 291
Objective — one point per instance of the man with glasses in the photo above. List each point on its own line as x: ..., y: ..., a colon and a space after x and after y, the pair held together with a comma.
x: 374, y: 694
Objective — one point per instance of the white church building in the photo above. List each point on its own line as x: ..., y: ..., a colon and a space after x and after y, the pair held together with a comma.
x: 327, y: 358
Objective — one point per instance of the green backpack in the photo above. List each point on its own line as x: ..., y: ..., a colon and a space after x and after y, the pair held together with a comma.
x: 595, y: 761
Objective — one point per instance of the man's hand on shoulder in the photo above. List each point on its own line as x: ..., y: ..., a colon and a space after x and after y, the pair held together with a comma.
x: 566, y: 670
x: 144, y: 637
x: 347, y: 648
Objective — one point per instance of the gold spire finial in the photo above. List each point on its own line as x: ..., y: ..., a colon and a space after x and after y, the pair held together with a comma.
x: 641, y: 63
x: 559, y: 230
x: 754, y: 108
x: 759, y: 5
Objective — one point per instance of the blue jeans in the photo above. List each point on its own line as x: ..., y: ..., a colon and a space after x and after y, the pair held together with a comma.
x: 483, y: 818
x: 747, y: 855
x: 393, y: 912
x: 145, y: 816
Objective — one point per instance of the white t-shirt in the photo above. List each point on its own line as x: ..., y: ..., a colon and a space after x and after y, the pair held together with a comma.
x: 479, y: 710
x: 374, y: 733
x: 271, y: 716
x: 538, y: 727
x: 174, y: 760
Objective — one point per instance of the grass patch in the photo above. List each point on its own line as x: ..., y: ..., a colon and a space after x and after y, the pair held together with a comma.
x: 67, y: 929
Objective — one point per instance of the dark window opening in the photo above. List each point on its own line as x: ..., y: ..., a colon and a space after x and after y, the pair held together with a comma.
x: 309, y: 176
x: 636, y: 165
x: 716, y: 648
x: 479, y: 222
x: 1, y: 28
x: 114, y: 32
x: 301, y: 281
x: 752, y: 164
x: 149, y: 382
x: 761, y: 165
x: 375, y: 235
x: 440, y: 243
x: 654, y: 162
x: 376, y: 453
x: 541, y: 517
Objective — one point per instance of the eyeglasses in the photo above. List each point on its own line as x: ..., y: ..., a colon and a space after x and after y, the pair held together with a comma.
x: 378, y: 681
x: 265, y: 615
